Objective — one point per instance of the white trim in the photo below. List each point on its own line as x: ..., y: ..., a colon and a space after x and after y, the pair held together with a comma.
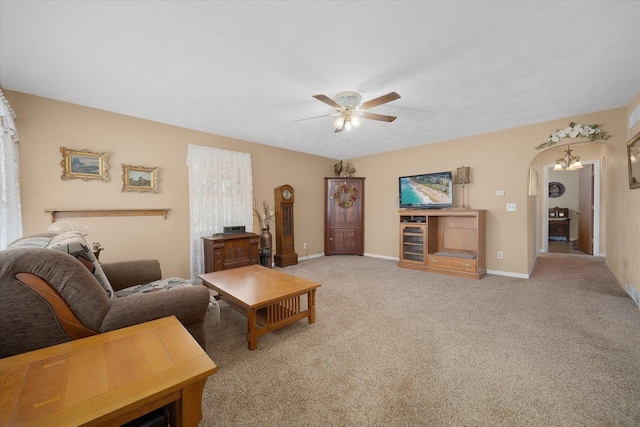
x: 308, y: 257
x: 390, y: 258
x: 382, y: 256
x: 508, y: 274
x: 634, y: 117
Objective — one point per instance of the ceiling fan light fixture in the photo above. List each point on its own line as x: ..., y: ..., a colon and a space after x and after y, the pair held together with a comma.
x: 348, y: 99
x: 349, y: 108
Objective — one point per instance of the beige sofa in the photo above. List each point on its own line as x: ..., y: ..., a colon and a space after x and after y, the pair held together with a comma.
x: 53, y: 290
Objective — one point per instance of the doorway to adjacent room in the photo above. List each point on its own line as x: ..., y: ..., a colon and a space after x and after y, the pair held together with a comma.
x: 579, y: 192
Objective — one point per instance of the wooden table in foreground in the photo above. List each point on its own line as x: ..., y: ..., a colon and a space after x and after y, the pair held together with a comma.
x: 269, y: 298
x: 107, y: 379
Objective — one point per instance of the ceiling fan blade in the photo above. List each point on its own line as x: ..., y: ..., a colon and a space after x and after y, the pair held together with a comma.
x: 314, y: 117
x: 380, y: 117
x: 338, y: 130
x: 327, y: 100
x: 391, y: 96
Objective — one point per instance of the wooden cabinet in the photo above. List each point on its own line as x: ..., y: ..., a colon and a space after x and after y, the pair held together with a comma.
x: 447, y: 241
x: 559, y: 223
x: 344, y: 216
x: 225, y: 251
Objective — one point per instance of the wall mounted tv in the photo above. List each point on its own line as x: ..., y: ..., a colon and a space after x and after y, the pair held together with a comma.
x: 426, y: 191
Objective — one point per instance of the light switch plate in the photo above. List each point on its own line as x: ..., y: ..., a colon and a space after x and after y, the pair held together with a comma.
x: 499, y: 192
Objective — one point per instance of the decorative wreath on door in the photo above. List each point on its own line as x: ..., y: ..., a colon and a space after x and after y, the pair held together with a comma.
x: 345, y: 195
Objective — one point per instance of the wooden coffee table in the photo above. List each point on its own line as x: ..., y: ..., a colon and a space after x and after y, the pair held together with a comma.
x: 269, y: 298
x: 107, y: 379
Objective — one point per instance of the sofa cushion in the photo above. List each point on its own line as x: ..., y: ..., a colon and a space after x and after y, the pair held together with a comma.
x: 74, y: 243
x: 37, y: 241
x: 169, y: 283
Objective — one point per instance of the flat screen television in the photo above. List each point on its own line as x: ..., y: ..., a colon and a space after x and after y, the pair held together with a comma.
x: 426, y: 191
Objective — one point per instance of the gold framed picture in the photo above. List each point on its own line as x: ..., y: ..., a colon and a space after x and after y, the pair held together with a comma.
x: 83, y: 164
x: 139, y: 178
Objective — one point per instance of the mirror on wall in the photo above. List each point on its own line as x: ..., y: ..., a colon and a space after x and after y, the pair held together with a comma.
x: 633, y: 156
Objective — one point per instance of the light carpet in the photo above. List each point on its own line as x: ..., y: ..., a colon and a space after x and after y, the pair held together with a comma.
x: 398, y: 347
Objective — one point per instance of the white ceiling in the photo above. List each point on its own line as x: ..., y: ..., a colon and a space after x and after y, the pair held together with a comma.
x: 248, y: 69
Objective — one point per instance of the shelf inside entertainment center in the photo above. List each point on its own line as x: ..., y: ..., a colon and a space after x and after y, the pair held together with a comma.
x: 448, y: 241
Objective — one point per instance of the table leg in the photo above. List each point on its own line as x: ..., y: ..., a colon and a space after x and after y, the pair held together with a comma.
x: 252, y: 335
x: 187, y: 411
x: 311, y: 301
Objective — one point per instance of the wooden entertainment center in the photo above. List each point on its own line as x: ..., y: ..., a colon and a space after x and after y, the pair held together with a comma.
x: 443, y: 241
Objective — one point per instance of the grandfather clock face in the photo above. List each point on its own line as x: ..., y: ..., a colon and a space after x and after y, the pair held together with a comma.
x: 285, y: 251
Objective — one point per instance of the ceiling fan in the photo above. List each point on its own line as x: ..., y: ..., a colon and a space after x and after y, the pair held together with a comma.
x: 350, y: 109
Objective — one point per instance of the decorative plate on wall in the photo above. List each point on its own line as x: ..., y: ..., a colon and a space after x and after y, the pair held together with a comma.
x: 556, y: 189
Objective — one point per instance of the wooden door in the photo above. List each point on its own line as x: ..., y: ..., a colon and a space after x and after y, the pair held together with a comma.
x: 344, y: 216
x: 585, y: 206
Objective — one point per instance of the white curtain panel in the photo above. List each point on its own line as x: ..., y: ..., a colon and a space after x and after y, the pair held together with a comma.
x: 220, y: 194
x: 10, y: 209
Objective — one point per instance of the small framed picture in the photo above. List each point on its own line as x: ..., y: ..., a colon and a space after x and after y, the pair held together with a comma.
x: 139, y: 178
x: 83, y: 164
x: 633, y: 156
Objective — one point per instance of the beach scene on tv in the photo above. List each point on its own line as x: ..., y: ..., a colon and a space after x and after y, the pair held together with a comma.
x: 426, y: 189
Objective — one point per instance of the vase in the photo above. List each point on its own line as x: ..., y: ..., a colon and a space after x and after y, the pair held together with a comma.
x: 265, y: 239
x: 265, y: 247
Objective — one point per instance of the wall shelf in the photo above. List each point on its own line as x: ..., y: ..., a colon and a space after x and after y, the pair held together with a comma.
x: 80, y: 213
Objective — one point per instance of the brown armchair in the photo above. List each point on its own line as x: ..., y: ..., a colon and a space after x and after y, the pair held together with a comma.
x: 48, y: 297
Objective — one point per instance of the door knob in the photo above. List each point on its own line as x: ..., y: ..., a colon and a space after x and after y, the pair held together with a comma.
x: 577, y: 213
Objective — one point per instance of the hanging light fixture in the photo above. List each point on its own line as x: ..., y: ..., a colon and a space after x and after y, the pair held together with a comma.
x: 568, y: 162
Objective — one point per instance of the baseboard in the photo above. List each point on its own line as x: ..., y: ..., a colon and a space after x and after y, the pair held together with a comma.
x: 496, y: 272
x: 308, y: 257
x: 634, y: 294
x: 508, y: 274
x: 382, y: 257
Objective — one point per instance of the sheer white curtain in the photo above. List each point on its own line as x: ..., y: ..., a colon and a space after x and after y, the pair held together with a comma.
x: 10, y: 210
x: 220, y: 194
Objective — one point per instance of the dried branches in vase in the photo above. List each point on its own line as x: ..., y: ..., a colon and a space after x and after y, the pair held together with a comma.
x: 264, y: 214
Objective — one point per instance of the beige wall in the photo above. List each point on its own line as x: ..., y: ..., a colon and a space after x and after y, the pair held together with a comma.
x: 623, y: 220
x: 498, y: 160
x: 45, y: 125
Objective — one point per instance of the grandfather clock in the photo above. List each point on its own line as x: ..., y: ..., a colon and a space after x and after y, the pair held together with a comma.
x: 285, y: 252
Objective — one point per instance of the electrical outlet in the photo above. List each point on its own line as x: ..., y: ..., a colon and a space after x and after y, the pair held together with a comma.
x: 500, y: 254
x: 306, y: 246
x: 511, y: 207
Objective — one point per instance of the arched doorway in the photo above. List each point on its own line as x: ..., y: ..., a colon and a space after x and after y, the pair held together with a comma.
x: 581, y: 211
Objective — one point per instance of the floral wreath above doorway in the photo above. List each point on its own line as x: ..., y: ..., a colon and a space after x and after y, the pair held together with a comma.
x: 345, y: 195
x: 592, y: 132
